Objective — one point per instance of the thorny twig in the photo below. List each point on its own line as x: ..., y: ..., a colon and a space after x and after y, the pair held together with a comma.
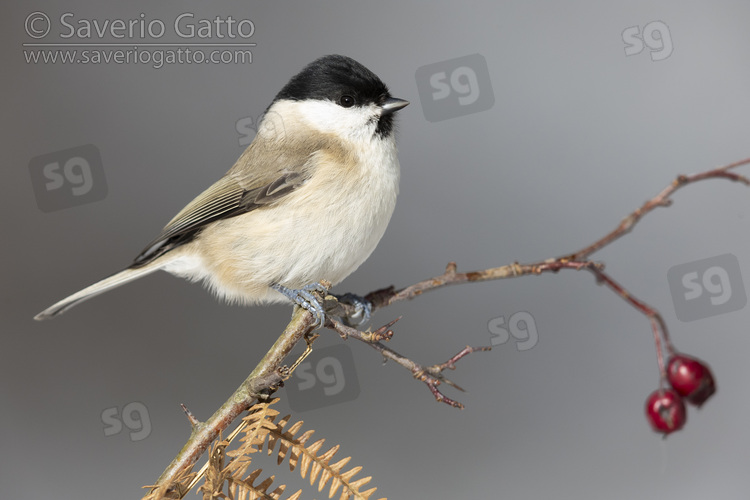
x: 431, y: 375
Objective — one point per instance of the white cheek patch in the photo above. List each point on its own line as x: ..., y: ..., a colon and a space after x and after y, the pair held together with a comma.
x: 357, y: 122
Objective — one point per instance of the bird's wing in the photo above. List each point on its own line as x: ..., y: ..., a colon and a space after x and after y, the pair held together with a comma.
x: 240, y: 191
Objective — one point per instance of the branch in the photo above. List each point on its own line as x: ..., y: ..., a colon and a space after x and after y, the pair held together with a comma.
x: 268, y: 375
x: 577, y: 260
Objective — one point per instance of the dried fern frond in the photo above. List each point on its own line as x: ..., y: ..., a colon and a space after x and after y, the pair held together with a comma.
x: 244, y: 489
x: 316, y: 465
x: 216, y: 476
x: 259, y: 430
x: 255, y: 427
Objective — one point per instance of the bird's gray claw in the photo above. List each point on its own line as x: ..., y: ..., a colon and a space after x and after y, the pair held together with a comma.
x: 362, y: 309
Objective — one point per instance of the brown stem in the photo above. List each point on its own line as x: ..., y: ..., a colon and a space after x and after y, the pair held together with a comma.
x: 658, y: 325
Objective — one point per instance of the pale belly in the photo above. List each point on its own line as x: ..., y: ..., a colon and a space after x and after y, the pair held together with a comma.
x: 308, y: 238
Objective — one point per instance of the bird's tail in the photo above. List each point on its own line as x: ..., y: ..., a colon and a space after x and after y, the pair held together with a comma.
x: 102, y: 286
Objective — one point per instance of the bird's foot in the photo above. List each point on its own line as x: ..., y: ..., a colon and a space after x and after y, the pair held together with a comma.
x: 304, y: 298
x: 363, y: 309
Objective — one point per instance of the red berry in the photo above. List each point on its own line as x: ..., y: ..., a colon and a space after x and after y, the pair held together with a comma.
x: 691, y: 378
x: 665, y: 411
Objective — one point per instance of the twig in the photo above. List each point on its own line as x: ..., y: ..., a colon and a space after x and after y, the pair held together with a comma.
x: 662, y: 200
x: 431, y: 375
x: 657, y: 322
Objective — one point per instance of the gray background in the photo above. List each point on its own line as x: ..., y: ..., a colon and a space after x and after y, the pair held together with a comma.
x: 579, y: 135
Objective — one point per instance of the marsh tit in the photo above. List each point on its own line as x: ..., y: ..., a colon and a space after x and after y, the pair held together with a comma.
x: 307, y: 201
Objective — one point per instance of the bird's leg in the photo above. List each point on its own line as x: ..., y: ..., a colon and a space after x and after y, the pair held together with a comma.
x: 304, y: 298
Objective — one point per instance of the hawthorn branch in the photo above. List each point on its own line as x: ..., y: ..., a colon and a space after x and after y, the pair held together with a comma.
x: 268, y: 374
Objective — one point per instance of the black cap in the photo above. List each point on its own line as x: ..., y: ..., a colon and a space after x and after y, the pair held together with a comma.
x: 333, y: 76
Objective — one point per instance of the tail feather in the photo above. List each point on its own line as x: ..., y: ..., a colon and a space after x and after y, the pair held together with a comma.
x: 102, y: 286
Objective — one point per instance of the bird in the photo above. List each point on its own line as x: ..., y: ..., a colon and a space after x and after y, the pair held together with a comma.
x: 307, y: 201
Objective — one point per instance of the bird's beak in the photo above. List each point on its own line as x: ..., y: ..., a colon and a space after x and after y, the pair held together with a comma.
x: 392, y: 104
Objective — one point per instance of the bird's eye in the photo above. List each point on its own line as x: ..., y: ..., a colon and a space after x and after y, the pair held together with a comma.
x: 346, y: 101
